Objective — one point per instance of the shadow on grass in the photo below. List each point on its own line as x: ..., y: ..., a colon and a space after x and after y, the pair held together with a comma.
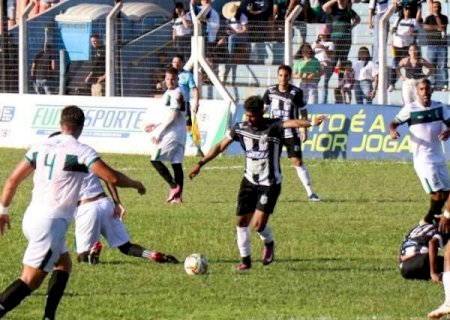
x: 357, y: 201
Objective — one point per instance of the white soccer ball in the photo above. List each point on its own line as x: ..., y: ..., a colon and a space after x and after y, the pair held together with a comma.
x: 195, y: 264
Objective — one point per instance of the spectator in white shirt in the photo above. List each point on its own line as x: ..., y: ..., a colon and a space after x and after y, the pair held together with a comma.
x: 366, y: 77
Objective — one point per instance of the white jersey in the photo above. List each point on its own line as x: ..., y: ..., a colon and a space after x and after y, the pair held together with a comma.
x: 61, y: 163
x: 90, y: 187
x: 425, y: 124
x: 176, y: 131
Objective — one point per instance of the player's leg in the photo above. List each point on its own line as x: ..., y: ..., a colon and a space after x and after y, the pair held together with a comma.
x: 87, y: 232
x: 435, y: 181
x: 246, y: 205
x: 265, y: 206
x: 445, y: 307
x: 166, y: 175
x: 117, y: 236
x: 176, y: 158
x: 57, y: 284
x: 294, y: 152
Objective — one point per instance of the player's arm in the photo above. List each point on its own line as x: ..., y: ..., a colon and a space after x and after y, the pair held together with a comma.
x: 116, y: 178
x: 214, y: 152
x: 303, y: 123
x: 167, y: 122
x: 433, y: 246
x: 119, y: 210
x: 20, y: 173
x: 393, y: 129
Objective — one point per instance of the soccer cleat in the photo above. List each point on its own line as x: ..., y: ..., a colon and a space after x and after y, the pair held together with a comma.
x: 163, y: 258
x: 94, y: 254
x: 173, y: 193
x: 268, y: 253
x: 176, y: 200
x: 439, y: 312
x: 243, y: 266
x: 314, y: 198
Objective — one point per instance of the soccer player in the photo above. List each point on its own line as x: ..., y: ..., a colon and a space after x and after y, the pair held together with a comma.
x: 261, y: 139
x: 285, y: 101
x: 186, y: 83
x: 97, y: 214
x: 169, y: 137
x: 59, y: 164
x: 419, y: 257
x: 425, y: 118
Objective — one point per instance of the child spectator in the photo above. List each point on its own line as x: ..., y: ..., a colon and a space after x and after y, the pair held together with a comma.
x: 346, y: 81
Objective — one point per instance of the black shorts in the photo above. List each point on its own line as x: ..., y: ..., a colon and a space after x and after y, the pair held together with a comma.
x: 253, y: 197
x: 187, y: 107
x: 293, y: 147
x: 418, y: 267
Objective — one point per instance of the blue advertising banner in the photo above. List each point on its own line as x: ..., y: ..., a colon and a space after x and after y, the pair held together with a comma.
x: 353, y: 132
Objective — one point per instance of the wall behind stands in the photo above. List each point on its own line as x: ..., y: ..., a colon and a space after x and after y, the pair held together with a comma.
x: 354, y: 132
x: 112, y: 125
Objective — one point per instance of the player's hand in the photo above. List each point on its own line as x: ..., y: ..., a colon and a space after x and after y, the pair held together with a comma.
x: 4, y: 221
x: 150, y: 127
x: 394, y: 134
x: 444, y: 224
x: 194, y: 172
x: 319, y: 119
x: 119, y: 212
x: 443, y: 136
x: 303, y: 135
x: 436, y: 277
x: 140, y: 187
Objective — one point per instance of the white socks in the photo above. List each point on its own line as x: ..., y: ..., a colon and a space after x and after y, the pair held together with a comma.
x: 446, y: 283
x: 303, y: 174
x: 266, y: 235
x: 244, y: 237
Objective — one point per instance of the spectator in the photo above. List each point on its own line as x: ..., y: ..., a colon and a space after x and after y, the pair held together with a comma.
x: 366, y: 77
x: 413, y: 72
x: 182, y: 30
x: 404, y: 33
x: 346, y: 82
x: 342, y: 20
x: 11, y: 13
x: 43, y: 70
x: 324, y: 50
x: 96, y: 76
x: 236, y: 29
x: 419, y: 257
x: 259, y: 14
x: 435, y: 26
x: 415, y: 7
x: 376, y: 10
x: 308, y: 69
x: 211, y: 25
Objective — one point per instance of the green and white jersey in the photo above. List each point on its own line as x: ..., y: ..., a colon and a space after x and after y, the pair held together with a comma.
x: 61, y: 163
x: 425, y: 124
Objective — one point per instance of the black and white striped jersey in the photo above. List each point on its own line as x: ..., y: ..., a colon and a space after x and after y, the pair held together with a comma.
x: 416, y: 241
x: 262, y: 148
x: 284, y: 105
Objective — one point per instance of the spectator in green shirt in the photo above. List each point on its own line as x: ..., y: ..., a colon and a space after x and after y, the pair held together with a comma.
x: 309, y: 70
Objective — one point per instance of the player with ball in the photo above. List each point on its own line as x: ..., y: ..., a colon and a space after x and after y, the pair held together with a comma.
x: 260, y: 138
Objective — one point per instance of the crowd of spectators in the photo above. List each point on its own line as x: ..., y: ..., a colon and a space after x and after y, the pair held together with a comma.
x: 15, y: 8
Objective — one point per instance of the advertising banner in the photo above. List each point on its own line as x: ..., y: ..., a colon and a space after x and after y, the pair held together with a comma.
x: 112, y: 125
x: 353, y: 132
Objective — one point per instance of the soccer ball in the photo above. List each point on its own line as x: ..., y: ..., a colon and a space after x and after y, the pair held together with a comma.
x: 195, y: 264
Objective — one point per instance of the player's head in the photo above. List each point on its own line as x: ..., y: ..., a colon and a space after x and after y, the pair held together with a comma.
x: 171, y: 78
x: 424, y: 91
x: 72, y: 120
x: 284, y: 74
x: 254, y: 110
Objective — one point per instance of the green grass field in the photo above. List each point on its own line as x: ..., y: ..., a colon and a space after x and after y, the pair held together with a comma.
x: 334, y: 260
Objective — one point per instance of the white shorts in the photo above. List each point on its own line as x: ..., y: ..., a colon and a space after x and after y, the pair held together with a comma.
x: 46, y: 240
x: 171, y: 151
x: 434, y: 177
x: 97, y: 218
